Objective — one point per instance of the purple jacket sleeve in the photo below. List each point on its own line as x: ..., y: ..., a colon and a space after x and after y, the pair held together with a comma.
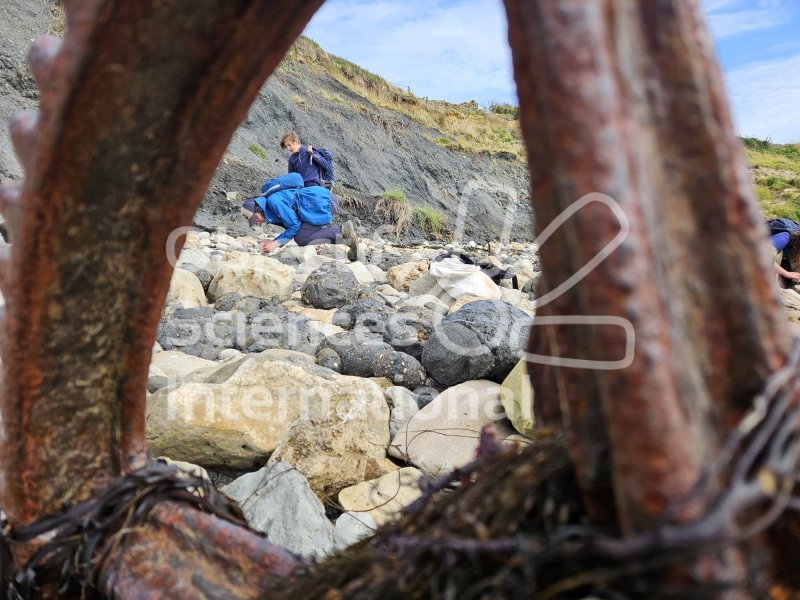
x: 780, y: 240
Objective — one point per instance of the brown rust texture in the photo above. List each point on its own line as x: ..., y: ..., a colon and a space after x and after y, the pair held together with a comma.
x: 618, y: 98
x: 182, y: 553
x: 626, y: 99
x: 137, y: 107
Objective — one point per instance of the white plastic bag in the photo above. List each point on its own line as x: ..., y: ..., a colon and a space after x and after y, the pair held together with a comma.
x: 460, y: 279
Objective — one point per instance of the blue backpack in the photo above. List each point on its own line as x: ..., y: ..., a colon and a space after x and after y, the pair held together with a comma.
x: 782, y: 224
x: 284, y: 182
x: 326, y: 174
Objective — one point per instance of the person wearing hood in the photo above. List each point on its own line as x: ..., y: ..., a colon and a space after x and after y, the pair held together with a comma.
x: 305, y: 213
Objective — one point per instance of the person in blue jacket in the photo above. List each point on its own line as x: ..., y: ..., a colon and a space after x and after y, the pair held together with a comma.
x: 305, y: 213
x: 304, y: 160
x: 782, y: 232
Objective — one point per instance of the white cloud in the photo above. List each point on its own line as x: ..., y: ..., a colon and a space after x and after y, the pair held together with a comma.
x: 765, y: 99
x: 454, y: 50
x: 457, y: 50
x: 715, y: 5
x: 728, y: 18
x: 731, y: 24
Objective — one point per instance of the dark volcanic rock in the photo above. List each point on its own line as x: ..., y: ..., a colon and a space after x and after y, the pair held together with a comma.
x: 330, y: 359
x: 409, y: 328
x: 332, y: 285
x: 368, y: 313
x: 424, y: 395
x: 204, y: 276
x: 204, y: 335
x: 366, y: 355
x: 226, y: 301
x: 357, y: 351
x: 399, y: 368
x: 483, y: 339
x: 250, y: 305
x: 277, y: 327
x: 454, y: 354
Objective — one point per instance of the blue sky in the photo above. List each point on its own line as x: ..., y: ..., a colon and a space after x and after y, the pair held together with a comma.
x: 457, y: 50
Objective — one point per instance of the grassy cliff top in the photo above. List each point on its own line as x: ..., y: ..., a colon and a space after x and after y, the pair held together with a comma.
x: 464, y: 126
x: 470, y: 128
x: 776, y: 171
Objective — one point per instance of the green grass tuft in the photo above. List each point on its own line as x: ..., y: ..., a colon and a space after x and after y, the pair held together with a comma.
x: 430, y: 220
x: 395, y: 195
x: 393, y: 207
x: 258, y: 151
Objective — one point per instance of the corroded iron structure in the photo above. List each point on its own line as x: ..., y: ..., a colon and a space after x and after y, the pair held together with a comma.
x: 138, y: 103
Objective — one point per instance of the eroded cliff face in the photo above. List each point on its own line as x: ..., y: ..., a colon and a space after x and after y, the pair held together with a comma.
x: 377, y: 149
x: 484, y: 196
x: 21, y: 22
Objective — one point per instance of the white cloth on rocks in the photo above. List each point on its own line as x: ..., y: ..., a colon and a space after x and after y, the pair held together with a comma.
x: 460, y: 279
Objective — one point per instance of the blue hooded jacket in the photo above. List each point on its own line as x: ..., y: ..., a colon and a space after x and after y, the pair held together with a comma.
x: 288, y: 204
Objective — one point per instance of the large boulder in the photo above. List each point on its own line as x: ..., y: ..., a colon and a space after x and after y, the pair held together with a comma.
x: 366, y: 313
x: 276, y: 327
x: 383, y: 498
x: 278, y: 501
x: 402, y: 404
x: 353, y: 527
x: 203, y: 275
x: 791, y: 302
x: 482, y: 340
x: 177, y: 365
x: 357, y: 351
x: 332, y: 285
x: 366, y: 355
x: 242, y: 411
x: 408, y: 329
x: 251, y: 275
x: 516, y: 394
x: 445, y: 434
x: 403, y: 275
x: 455, y: 354
x: 192, y: 256
x: 202, y: 334
x: 341, y: 436
x: 252, y: 324
x: 185, y: 290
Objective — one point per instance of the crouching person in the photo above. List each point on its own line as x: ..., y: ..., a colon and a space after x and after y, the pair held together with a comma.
x: 305, y: 213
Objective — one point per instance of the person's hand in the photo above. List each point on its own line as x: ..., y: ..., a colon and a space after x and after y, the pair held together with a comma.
x: 793, y: 276
x: 310, y: 149
x: 268, y: 245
